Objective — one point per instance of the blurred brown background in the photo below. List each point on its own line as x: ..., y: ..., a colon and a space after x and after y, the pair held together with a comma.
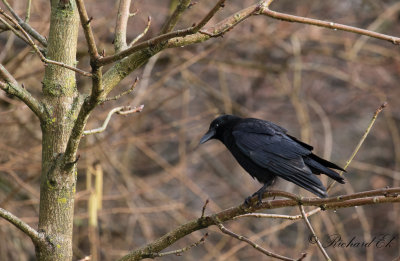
x: 322, y: 85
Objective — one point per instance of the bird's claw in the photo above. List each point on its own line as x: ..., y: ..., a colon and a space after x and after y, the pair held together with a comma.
x: 247, y: 201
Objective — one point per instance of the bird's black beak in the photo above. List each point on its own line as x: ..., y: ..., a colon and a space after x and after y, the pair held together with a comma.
x: 209, y: 135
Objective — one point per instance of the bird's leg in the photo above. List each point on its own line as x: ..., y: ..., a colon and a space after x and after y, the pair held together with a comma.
x: 259, y: 194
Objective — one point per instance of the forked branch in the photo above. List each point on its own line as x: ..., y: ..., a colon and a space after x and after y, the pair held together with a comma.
x: 36, y: 48
x: 161, y: 38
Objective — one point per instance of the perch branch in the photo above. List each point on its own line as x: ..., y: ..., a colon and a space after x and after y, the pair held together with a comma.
x: 387, y: 195
x: 179, y: 252
x: 303, y: 214
x: 277, y: 216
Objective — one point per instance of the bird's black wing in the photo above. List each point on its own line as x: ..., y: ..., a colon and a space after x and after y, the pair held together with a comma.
x: 268, y: 146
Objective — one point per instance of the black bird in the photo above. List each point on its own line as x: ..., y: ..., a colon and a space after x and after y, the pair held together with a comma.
x: 266, y: 151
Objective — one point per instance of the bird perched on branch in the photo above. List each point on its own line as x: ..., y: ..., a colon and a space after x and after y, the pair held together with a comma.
x: 266, y: 151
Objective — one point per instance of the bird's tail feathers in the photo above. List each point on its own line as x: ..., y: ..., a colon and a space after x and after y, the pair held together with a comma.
x: 301, y: 178
x: 325, y: 162
x: 320, y: 167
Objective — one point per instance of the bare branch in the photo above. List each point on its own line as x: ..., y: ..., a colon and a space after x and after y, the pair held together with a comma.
x: 277, y: 216
x: 129, y: 111
x: 203, y: 210
x: 37, y: 238
x: 357, y: 199
x: 216, y: 30
x: 36, y: 48
x: 160, y: 39
x: 123, y: 93
x: 175, y: 16
x: 5, y: 75
x: 12, y: 87
x: 331, y: 25
x: 10, y: 27
x: 210, y: 14
x: 256, y: 246
x: 28, y: 11
x: 121, y: 25
x: 374, y: 117
x: 142, y: 34
x: 303, y: 214
x: 85, y: 21
x: 178, y: 252
x: 123, y: 110
x: 24, y: 24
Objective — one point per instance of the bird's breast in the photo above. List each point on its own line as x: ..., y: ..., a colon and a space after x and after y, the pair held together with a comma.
x: 263, y: 175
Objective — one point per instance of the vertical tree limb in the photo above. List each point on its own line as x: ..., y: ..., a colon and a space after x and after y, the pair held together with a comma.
x: 121, y: 25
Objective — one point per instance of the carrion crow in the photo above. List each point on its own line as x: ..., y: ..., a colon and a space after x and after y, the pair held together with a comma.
x: 266, y: 151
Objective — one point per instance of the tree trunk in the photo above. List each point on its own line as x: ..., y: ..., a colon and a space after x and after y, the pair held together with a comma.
x: 60, y: 98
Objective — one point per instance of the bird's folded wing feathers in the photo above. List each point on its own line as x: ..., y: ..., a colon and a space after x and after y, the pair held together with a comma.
x: 279, y: 154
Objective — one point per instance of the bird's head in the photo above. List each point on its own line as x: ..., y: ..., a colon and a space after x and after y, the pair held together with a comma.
x: 218, y: 126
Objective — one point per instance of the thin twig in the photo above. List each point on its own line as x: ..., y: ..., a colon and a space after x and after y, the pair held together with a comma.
x: 121, y: 25
x: 14, y: 30
x: 28, y: 11
x: 203, y: 210
x: 210, y: 14
x: 374, y: 117
x: 178, y: 252
x: 277, y: 216
x: 36, y: 48
x: 87, y: 29
x: 175, y: 16
x: 26, y: 26
x: 123, y: 93
x: 313, y: 233
x: 216, y: 30
x: 123, y: 110
x: 37, y: 238
x: 161, y: 38
x: 256, y: 246
x: 129, y: 111
x: 142, y: 34
x: 331, y: 25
